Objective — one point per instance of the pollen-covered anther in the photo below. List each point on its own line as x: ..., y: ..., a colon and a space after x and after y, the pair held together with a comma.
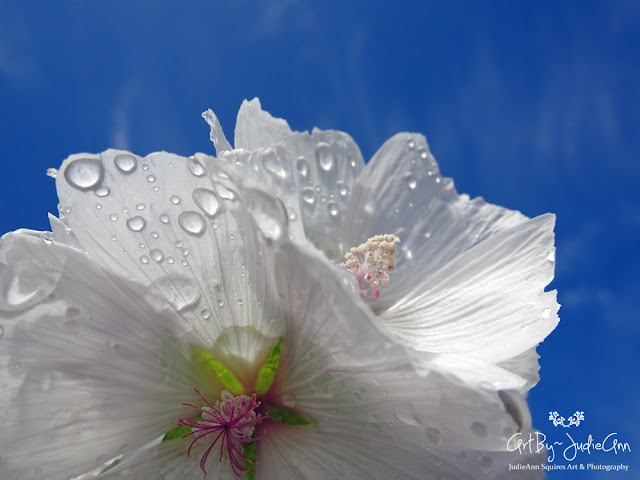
x: 372, y: 262
x: 230, y: 423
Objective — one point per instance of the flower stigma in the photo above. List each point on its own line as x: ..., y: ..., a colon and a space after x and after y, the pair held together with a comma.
x: 232, y: 421
x: 372, y: 262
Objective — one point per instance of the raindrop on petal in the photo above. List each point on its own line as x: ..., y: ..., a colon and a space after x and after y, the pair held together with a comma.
x: 136, y: 224
x: 192, y: 222
x: 180, y: 291
x: 164, y: 218
x: 175, y: 199
x: 84, y: 173
x: 411, y: 180
x: 333, y: 209
x: 324, y: 157
x: 102, y: 191
x: 207, y: 201
x: 273, y: 165
x: 125, y: 163
x: 195, y: 167
x: 156, y: 255
x: 302, y: 166
x: 308, y: 195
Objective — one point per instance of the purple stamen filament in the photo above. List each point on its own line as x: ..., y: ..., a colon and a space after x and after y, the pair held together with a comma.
x: 232, y: 420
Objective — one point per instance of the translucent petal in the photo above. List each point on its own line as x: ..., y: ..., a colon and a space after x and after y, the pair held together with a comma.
x: 326, y: 164
x: 175, y: 225
x: 525, y: 366
x: 401, y: 191
x: 488, y: 303
x: 93, y: 371
x: 169, y: 461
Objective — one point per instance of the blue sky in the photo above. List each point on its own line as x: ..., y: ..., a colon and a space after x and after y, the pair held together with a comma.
x: 532, y: 105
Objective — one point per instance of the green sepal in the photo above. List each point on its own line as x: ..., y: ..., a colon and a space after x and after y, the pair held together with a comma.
x: 251, y: 454
x: 228, y: 379
x: 283, y: 415
x: 268, y: 371
x: 177, y: 432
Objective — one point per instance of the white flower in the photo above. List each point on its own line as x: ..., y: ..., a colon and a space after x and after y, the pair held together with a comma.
x: 468, y: 291
x: 156, y: 310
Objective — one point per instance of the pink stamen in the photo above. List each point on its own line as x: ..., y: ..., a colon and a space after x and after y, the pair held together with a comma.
x: 372, y: 262
x: 232, y: 420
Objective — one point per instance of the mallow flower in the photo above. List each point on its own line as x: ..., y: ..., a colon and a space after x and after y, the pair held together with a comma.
x: 459, y: 282
x: 167, y: 328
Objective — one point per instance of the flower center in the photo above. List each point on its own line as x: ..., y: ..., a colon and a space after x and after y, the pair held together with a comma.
x: 372, y: 262
x: 230, y: 424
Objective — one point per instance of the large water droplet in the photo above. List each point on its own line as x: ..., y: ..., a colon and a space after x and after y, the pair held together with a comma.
x: 411, y: 180
x: 125, y: 163
x: 180, y: 291
x: 192, y: 222
x: 551, y: 255
x: 136, y: 224
x: 308, y: 195
x: 195, y: 167
x: 206, y: 201
x: 480, y: 429
x: 302, y: 166
x: 157, y: 255
x: 84, y: 173
x: 224, y: 192
x: 273, y: 165
x: 324, y: 157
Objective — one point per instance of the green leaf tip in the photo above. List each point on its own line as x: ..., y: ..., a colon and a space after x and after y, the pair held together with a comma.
x: 228, y: 379
x: 283, y: 415
x: 268, y: 371
x: 177, y: 432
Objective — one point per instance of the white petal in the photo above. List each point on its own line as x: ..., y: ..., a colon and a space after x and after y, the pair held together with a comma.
x: 169, y: 461
x: 488, y: 303
x: 373, y: 413
x: 94, y: 371
x: 326, y: 164
x: 401, y: 191
x: 525, y: 366
x: 163, y: 221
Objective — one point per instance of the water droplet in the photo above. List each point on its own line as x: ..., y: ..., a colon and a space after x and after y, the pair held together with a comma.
x: 145, y: 167
x: 240, y: 302
x: 125, y: 163
x: 181, y: 292
x: 84, y: 173
x: 195, y: 167
x: 343, y: 189
x: 179, y: 244
x: 480, y: 429
x: 206, y: 201
x: 302, y: 166
x: 102, y: 191
x: 224, y: 192
x: 433, y: 435
x: 140, y: 206
x: 272, y: 164
x: 170, y: 260
x: 205, y: 314
x: 551, y: 255
x: 220, y: 303
x: 333, y: 209
x: 423, y: 154
x: 308, y: 195
x: 412, y: 144
x: 52, y: 172
x: 545, y: 313
x: 156, y: 255
x: 164, y: 218
x: 324, y: 157
x: 98, y: 206
x: 151, y: 178
x: 47, y: 237
x: 136, y: 224
x: 154, y: 234
x: 144, y: 259
x: 192, y: 222
x: 175, y: 199
x: 411, y: 181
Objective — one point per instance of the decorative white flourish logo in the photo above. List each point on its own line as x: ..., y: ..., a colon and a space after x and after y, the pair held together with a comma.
x: 574, y: 419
